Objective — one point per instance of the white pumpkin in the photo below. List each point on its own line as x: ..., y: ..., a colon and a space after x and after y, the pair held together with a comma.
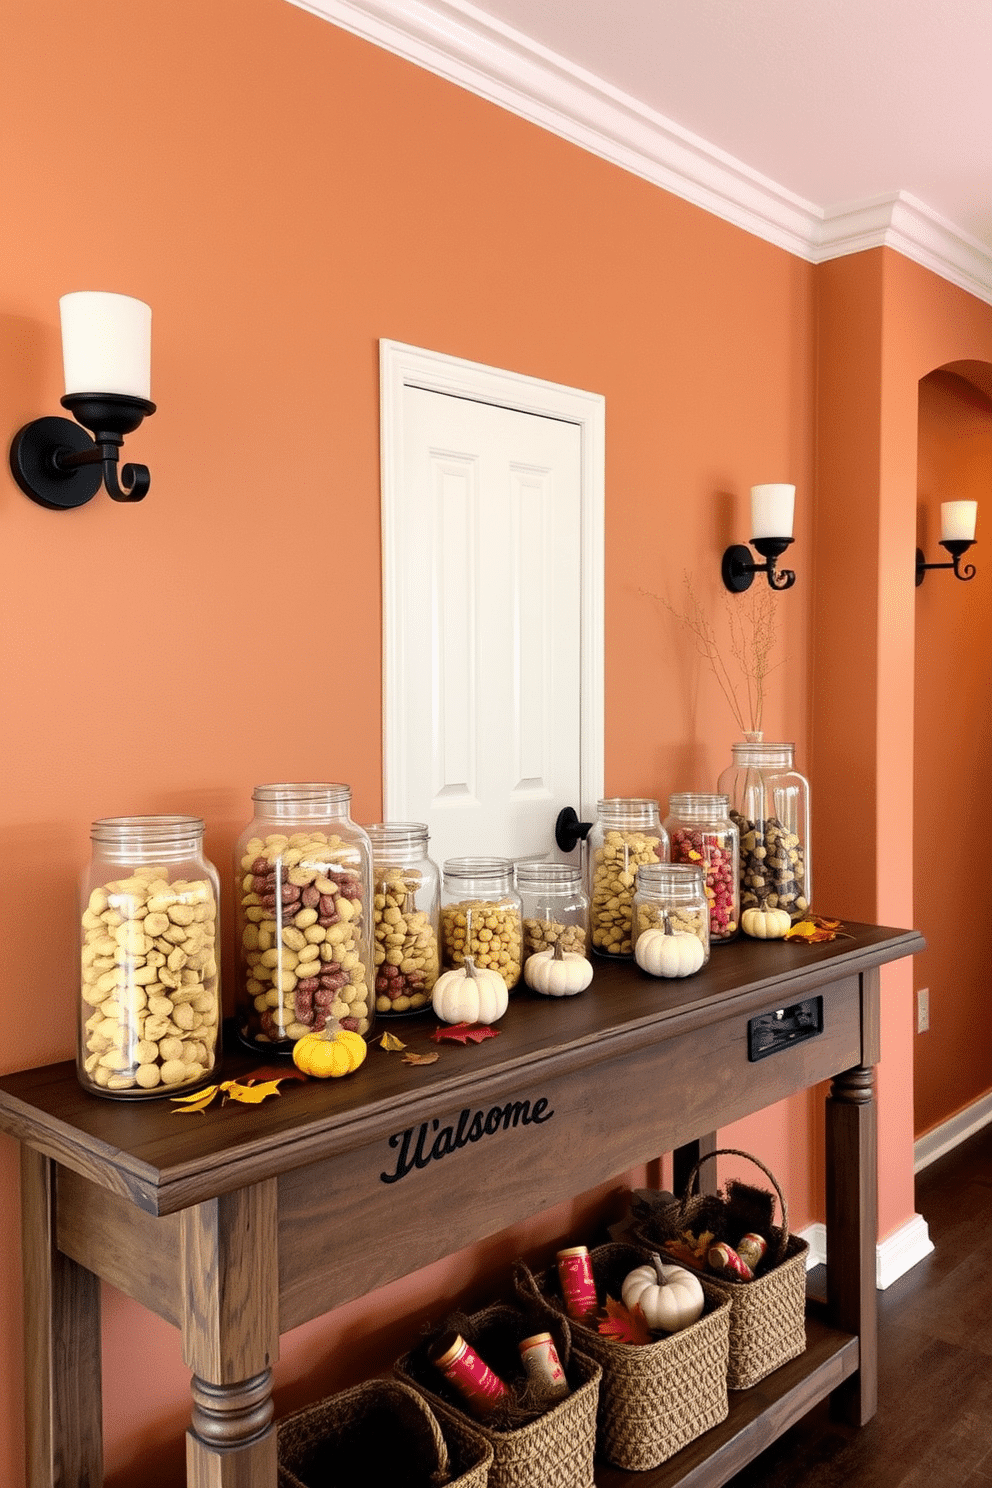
x: 766, y: 924
x: 557, y: 973
x: 670, y: 1297
x: 661, y: 954
x: 470, y: 994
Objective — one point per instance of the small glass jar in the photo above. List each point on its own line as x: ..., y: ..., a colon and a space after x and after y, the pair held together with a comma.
x: 672, y: 897
x: 481, y: 916
x: 303, y: 871
x: 150, y: 983
x: 406, y: 902
x: 769, y: 802
x: 700, y: 831
x: 627, y: 832
x: 554, y: 906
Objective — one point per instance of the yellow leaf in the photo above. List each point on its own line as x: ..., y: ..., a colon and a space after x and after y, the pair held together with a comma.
x: 390, y: 1042
x: 250, y: 1095
x: 802, y: 931
x: 198, y: 1101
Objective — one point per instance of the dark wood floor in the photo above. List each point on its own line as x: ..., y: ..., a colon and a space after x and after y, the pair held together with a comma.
x: 934, y: 1423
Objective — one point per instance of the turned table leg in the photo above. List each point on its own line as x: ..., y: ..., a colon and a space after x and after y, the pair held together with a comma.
x: 852, y: 1220
x: 230, y: 1272
x: 61, y: 1344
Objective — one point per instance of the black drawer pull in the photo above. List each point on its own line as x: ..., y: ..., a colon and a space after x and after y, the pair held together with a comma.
x: 770, y: 1033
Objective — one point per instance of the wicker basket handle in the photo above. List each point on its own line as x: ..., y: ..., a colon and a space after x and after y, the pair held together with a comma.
x: 776, y: 1253
x: 442, y: 1472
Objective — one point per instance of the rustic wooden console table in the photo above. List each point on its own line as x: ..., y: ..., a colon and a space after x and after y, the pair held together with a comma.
x: 237, y: 1226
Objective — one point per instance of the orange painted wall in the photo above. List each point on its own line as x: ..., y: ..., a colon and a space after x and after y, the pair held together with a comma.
x: 883, y: 323
x: 284, y: 195
x: 953, y: 1064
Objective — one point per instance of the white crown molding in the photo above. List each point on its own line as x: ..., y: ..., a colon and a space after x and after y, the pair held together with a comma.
x: 459, y: 42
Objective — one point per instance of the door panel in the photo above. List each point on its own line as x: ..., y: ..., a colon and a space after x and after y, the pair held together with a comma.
x: 491, y: 628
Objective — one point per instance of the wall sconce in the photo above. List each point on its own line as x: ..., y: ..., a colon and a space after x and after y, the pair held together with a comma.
x: 771, y: 523
x: 957, y: 533
x: 106, y: 354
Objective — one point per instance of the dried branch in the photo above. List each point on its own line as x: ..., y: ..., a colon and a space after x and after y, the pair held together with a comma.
x: 752, y: 625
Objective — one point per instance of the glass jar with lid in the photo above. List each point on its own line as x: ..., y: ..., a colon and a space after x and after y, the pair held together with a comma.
x: 150, y: 982
x: 554, y: 906
x: 303, y: 872
x: 672, y: 897
x: 627, y: 833
x: 406, y: 902
x: 481, y: 916
x: 700, y: 831
x: 769, y: 803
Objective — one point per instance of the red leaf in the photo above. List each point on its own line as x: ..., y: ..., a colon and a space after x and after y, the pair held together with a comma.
x: 625, y: 1325
x: 273, y: 1072
x: 465, y: 1033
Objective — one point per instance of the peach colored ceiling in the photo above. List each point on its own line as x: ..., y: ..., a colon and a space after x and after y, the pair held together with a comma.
x: 838, y: 101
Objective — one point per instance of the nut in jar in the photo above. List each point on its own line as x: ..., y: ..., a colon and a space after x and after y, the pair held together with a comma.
x: 626, y: 835
x: 481, y: 917
x: 303, y: 876
x: 150, y: 999
x: 405, y: 951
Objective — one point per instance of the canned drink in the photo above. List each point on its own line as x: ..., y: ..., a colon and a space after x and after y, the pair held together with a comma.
x: 725, y: 1258
x: 577, y: 1285
x: 543, y: 1366
x: 751, y: 1248
x: 471, y: 1376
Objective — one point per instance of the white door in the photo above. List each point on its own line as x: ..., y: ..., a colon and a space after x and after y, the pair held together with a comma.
x: 488, y: 655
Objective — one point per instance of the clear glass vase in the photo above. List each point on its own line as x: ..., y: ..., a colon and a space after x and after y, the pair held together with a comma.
x: 769, y: 803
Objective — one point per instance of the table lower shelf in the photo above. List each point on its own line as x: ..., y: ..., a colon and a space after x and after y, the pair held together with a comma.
x: 757, y: 1416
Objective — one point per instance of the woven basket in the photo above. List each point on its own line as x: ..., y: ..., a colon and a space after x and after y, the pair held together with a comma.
x: 657, y: 1397
x: 379, y: 1432
x: 768, y: 1314
x: 553, y: 1449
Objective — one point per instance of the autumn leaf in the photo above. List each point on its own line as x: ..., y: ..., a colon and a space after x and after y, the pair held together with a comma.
x: 622, y: 1324
x: 250, y: 1093
x: 273, y: 1072
x: 815, y: 930
x: 464, y: 1033
x: 198, y: 1101
x: 390, y: 1043
x: 410, y: 1058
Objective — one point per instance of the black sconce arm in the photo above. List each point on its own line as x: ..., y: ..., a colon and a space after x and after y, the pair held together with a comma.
x: 957, y: 547
x: 738, y: 568
x: 57, y: 464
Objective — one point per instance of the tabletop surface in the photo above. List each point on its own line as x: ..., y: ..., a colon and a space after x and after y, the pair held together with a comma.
x: 144, y: 1147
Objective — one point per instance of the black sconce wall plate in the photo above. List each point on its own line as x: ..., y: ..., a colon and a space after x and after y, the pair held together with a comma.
x: 57, y: 464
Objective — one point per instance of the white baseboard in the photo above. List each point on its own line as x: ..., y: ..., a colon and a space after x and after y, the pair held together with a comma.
x: 934, y: 1144
x: 901, y: 1251
x: 894, y: 1256
x: 815, y: 1236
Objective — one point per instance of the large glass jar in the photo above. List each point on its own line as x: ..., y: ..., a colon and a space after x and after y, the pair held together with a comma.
x: 150, y: 985
x: 769, y: 802
x: 700, y: 831
x: 481, y: 917
x: 406, y: 900
x: 626, y: 833
x: 672, y: 897
x: 304, y: 879
x: 554, y: 906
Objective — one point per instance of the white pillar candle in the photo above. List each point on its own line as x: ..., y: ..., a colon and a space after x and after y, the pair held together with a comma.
x: 106, y: 344
x: 772, y: 510
x: 957, y: 521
